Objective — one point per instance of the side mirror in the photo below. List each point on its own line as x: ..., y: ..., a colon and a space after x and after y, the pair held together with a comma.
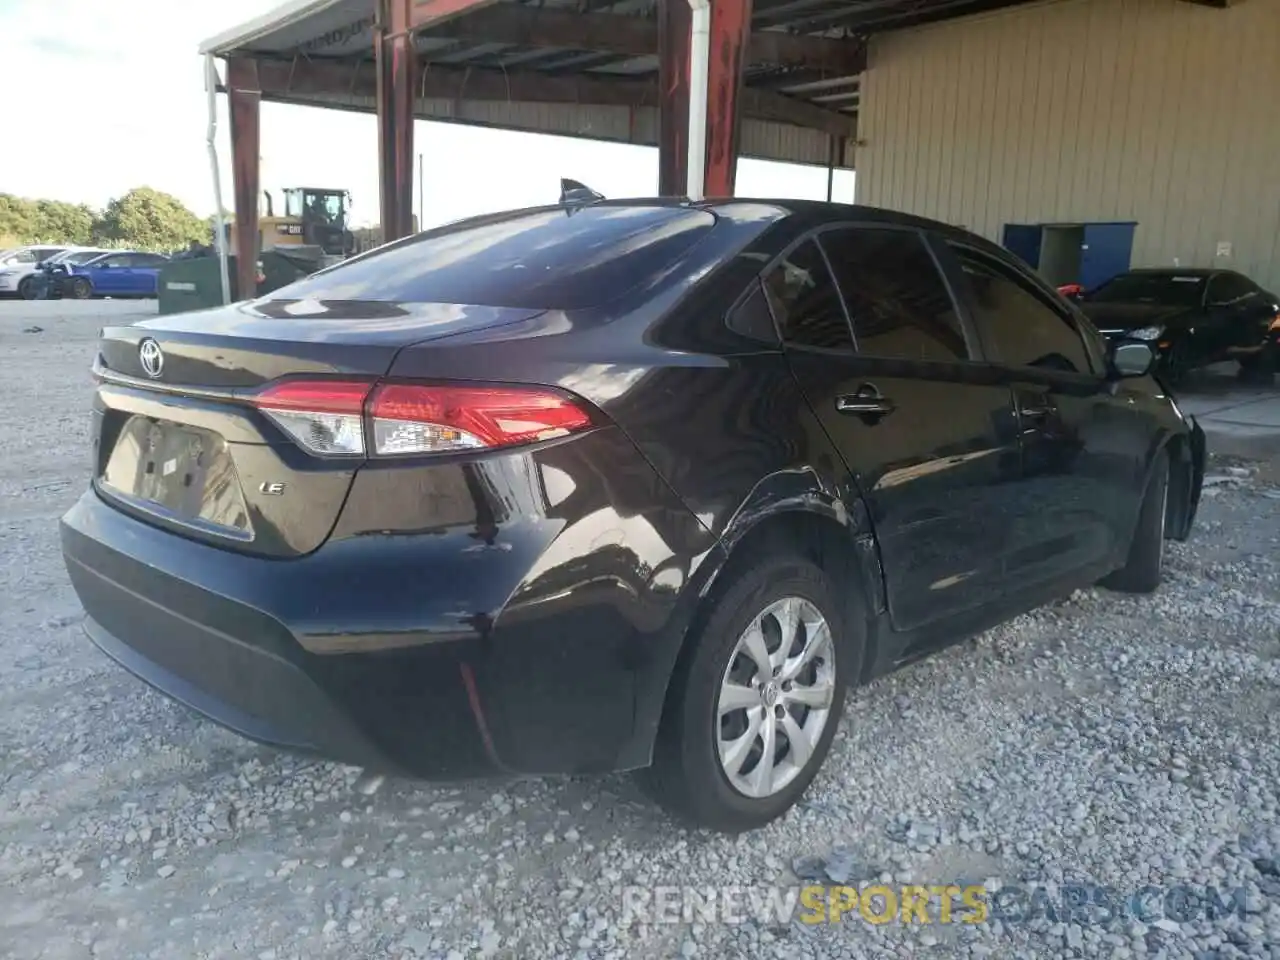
x: 1131, y: 358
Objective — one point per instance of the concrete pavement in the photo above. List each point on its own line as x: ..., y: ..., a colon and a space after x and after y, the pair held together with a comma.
x: 1240, y: 420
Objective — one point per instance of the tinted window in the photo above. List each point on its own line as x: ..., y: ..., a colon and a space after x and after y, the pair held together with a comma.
x: 1020, y: 327
x: 751, y: 318
x: 805, y: 302
x: 147, y: 260
x: 1163, y: 289
x: 1226, y: 287
x: 897, y: 301
x: 80, y: 256
x: 540, y: 259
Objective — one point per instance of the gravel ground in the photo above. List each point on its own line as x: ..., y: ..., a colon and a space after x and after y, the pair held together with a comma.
x: 1106, y: 740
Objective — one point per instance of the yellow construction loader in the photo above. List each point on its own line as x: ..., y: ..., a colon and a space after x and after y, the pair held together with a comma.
x: 315, y: 217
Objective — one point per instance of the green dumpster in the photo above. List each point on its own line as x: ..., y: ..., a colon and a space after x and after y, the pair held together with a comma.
x: 196, y: 283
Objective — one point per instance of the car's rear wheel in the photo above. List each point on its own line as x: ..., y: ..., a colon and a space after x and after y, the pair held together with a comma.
x: 755, y: 700
x: 1261, y: 367
x: 1144, y: 567
x: 80, y: 289
x: 27, y: 289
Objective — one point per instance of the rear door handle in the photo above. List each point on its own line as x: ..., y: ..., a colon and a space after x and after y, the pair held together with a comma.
x: 1038, y: 411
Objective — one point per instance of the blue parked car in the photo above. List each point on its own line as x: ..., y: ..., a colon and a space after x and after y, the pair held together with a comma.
x: 123, y: 273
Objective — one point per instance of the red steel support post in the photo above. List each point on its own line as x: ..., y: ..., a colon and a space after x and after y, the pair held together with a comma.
x: 397, y: 65
x: 244, y: 96
x: 730, y: 33
x: 675, y: 21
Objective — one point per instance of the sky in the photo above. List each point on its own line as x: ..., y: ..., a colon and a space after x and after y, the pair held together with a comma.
x: 103, y: 97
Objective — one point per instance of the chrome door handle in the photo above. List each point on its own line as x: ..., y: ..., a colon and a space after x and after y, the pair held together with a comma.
x: 866, y: 400
x: 864, y: 405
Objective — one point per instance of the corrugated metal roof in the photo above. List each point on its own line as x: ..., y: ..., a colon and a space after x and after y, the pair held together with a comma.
x: 483, y: 47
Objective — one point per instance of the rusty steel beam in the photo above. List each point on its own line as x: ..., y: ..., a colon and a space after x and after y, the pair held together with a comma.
x: 675, y: 21
x: 527, y: 26
x: 396, y: 65
x: 244, y: 95
x: 297, y: 80
x: 730, y: 33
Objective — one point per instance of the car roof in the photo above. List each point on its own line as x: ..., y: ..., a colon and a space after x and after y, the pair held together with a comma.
x: 823, y: 211
x: 817, y: 212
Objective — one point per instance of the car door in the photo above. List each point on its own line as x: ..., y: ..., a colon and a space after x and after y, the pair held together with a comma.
x: 1083, y: 449
x: 142, y: 273
x: 884, y: 360
x: 106, y: 274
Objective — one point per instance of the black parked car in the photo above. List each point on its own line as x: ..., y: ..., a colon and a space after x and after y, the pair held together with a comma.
x: 1192, y: 317
x: 612, y: 485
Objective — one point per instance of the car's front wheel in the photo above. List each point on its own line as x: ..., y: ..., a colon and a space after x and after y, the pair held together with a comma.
x: 80, y: 289
x: 27, y: 288
x: 755, y: 701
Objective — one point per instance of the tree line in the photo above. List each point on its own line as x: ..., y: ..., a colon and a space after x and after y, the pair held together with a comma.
x: 142, y: 219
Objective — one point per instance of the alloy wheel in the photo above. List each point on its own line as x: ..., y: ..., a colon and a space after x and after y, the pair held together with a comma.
x: 775, y: 697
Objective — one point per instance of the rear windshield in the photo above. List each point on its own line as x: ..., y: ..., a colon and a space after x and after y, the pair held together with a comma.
x: 539, y: 259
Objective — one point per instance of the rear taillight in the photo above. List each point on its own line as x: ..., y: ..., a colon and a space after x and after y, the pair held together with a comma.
x: 412, y: 418
x: 351, y: 418
x: 324, y: 416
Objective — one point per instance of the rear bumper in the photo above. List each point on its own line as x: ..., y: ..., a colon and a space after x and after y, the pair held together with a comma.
x: 535, y: 637
x: 219, y: 653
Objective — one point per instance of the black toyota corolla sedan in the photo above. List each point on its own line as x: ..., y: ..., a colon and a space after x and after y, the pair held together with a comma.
x: 637, y: 485
x: 1192, y: 318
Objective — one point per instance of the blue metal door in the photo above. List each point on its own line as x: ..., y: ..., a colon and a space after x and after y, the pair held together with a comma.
x: 1023, y: 240
x: 1107, y: 250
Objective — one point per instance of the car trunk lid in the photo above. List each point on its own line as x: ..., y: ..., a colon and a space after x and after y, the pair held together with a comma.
x: 180, y: 443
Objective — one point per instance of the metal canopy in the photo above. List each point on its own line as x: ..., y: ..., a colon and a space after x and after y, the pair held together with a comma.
x: 488, y: 63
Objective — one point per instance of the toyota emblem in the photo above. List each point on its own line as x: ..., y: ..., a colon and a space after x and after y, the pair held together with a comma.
x: 152, y: 357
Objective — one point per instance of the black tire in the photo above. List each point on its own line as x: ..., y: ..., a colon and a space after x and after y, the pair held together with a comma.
x: 27, y: 289
x: 80, y: 289
x: 687, y: 777
x: 1259, y: 368
x: 1144, y: 567
x: 1175, y: 369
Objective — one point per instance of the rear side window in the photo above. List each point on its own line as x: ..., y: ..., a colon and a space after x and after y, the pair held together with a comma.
x: 540, y: 259
x: 751, y: 317
x: 1229, y: 287
x: 897, y: 301
x: 805, y: 302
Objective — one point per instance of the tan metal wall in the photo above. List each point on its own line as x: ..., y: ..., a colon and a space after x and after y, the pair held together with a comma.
x: 1159, y: 111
